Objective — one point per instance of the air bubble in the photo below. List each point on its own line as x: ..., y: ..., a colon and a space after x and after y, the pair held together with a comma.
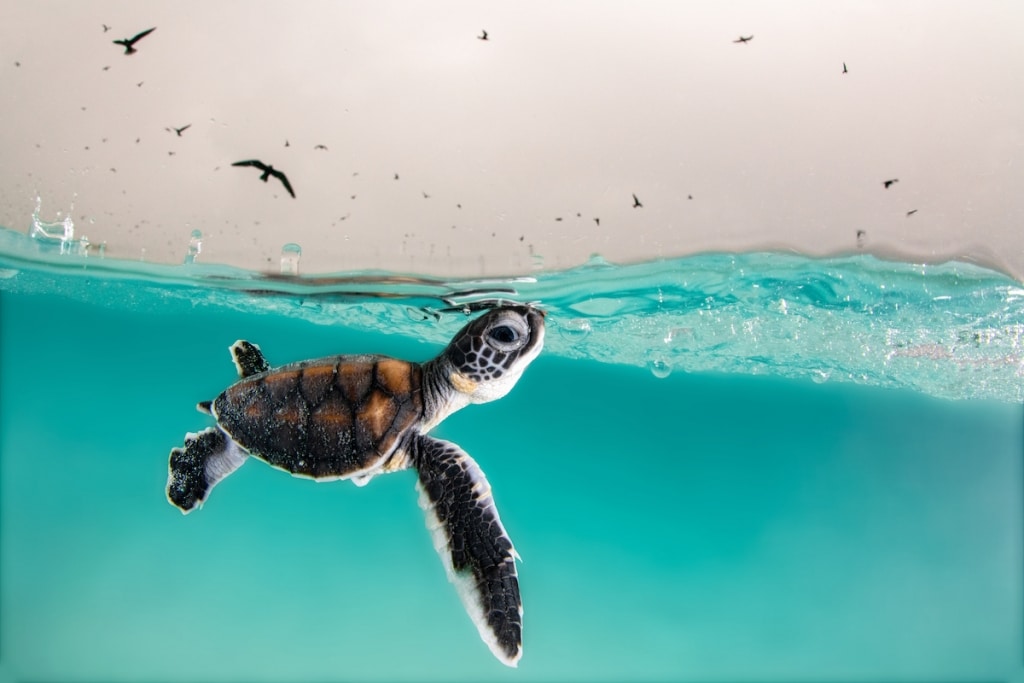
x: 290, y: 255
x: 195, y: 246
x: 575, y: 329
x: 659, y: 368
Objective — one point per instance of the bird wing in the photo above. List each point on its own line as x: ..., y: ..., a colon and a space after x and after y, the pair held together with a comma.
x: 284, y: 181
x: 140, y: 36
x: 251, y: 162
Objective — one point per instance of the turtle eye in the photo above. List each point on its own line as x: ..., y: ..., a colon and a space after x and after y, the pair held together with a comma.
x: 503, y: 334
x: 508, y: 335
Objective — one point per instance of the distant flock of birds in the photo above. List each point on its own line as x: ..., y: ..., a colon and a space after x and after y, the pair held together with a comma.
x: 268, y: 171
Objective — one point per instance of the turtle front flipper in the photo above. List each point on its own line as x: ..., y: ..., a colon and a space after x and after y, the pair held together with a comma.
x: 248, y: 358
x: 474, y: 547
x: 207, y: 457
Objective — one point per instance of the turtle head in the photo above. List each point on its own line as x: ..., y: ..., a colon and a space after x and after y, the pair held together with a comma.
x: 487, y: 356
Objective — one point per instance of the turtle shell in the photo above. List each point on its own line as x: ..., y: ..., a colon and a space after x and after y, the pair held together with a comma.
x: 327, y: 418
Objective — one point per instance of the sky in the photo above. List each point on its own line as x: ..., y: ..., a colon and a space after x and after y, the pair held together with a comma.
x: 525, y: 150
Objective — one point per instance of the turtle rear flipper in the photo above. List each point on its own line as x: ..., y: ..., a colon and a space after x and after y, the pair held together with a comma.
x: 248, y: 358
x: 474, y: 547
x: 207, y: 457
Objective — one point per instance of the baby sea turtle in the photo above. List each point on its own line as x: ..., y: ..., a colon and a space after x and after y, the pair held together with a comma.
x: 353, y: 417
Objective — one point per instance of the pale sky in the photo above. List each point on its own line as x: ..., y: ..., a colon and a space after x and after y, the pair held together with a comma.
x: 568, y: 107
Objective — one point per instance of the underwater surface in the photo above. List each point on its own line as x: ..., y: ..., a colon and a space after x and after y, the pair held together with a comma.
x: 755, y: 467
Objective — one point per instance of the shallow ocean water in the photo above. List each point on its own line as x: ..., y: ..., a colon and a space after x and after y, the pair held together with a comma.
x: 728, y: 467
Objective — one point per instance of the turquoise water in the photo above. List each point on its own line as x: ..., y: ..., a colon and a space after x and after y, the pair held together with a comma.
x: 750, y: 467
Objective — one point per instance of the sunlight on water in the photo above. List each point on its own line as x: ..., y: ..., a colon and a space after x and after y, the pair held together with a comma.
x: 952, y: 330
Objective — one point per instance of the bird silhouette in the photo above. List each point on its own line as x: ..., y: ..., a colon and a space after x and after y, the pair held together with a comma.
x: 268, y: 171
x: 636, y: 203
x: 844, y: 68
x: 911, y: 212
x: 483, y: 35
x: 129, y: 43
x: 323, y: 147
x: 744, y: 39
x: 179, y: 131
x: 889, y: 183
x: 105, y: 28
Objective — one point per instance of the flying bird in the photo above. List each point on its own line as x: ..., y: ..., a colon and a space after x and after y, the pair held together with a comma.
x: 483, y: 35
x: 911, y: 212
x: 323, y: 147
x: 105, y: 28
x: 844, y: 68
x: 889, y: 183
x: 179, y: 131
x: 744, y: 39
x: 129, y: 43
x: 268, y: 171
x: 636, y: 203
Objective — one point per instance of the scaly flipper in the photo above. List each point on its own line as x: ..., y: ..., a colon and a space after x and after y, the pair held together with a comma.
x: 474, y: 547
x: 248, y: 358
x: 207, y: 457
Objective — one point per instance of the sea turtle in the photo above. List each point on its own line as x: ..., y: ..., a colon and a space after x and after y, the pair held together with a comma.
x: 353, y: 417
